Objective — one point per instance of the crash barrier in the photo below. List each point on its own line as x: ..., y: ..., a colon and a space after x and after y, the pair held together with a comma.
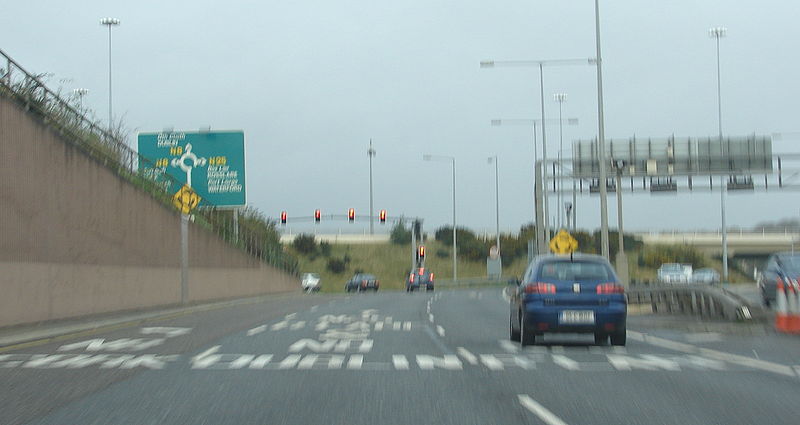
x: 787, y: 307
x: 470, y: 281
x: 695, y: 299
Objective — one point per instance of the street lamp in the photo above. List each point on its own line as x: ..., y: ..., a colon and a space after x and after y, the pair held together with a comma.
x: 79, y: 93
x: 717, y: 33
x: 560, y: 98
x: 370, y: 153
x: 109, y: 22
x: 601, y: 138
x: 541, y: 235
x: 493, y: 159
x: 428, y: 157
x: 541, y: 64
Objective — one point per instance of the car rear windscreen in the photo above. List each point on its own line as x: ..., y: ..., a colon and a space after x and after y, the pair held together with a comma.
x: 575, y: 271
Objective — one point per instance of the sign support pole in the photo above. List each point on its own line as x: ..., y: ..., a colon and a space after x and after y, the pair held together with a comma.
x: 184, y: 258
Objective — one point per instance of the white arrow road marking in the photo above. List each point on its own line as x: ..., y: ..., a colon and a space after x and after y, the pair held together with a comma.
x: 469, y: 357
x: 257, y: 330
x: 537, y: 409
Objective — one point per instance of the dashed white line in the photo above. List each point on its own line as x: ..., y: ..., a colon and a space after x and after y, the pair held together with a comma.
x: 378, y: 326
x: 537, y: 409
x: 396, y: 325
x: 508, y: 346
x: 430, y: 317
x: 565, y: 362
x: 297, y: 325
x: 469, y: 357
x: 257, y: 330
x: 440, y: 330
x: 290, y: 316
x: 400, y: 362
x: 407, y: 326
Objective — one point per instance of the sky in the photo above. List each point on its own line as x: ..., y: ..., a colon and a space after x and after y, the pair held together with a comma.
x: 310, y: 82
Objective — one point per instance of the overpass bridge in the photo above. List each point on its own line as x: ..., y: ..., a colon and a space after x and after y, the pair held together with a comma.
x: 740, y: 243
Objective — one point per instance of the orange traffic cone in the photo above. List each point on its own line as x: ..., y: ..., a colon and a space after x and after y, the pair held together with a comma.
x: 781, y: 308
x: 793, y: 307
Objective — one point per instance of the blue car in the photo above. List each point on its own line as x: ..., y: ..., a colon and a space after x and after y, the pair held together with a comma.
x: 569, y: 294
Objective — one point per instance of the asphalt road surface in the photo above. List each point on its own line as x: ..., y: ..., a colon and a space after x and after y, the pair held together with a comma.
x: 394, y: 358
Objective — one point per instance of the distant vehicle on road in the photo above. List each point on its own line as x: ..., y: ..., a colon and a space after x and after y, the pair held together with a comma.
x: 310, y: 282
x: 674, y: 273
x: 709, y: 276
x: 419, y: 278
x: 579, y: 294
x: 361, y: 282
x: 784, y: 266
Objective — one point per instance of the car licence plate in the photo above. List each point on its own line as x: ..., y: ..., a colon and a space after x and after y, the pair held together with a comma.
x: 576, y: 317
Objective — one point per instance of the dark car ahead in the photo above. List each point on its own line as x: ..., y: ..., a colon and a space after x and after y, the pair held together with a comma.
x: 419, y: 278
x: 566, y: 294
x: 361, y: 282
x: 784, y: 266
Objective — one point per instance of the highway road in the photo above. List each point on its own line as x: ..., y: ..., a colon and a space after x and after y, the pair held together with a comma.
x: 393, y: 358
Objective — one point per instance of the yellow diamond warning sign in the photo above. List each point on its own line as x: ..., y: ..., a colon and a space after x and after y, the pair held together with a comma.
x: 185, y: 199
x: 563, y: 243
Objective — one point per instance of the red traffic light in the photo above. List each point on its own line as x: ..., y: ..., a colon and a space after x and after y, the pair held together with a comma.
x: 317, y: 215
x: 351, y: 214
x: 382, y: 216
x: 283, y: 217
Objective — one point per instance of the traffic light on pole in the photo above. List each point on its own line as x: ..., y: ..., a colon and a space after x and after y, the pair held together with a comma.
x: 421, y: 252
x: 283, y: 217
x: 382, y: 216
x: 317, y: 215
x: 351, y: 214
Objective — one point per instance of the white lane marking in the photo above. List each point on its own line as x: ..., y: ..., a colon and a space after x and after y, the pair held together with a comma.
x: 168, y: 332
x: 646, y: 362
x: 388, y: 320
x: 796, y: 370
x: 491, y: 362
x: 469, y: 357
x: 290, y: 316
x: 717, y: 355
x: 280, y: 325
x: 509, y: 346
x: 565, y: 362
x: 297, y: 325
x: 429, y: 309
x: 448, y: 361
x: 537, y: 409
x: 379, y: 326
x: 407, y: 326
x: 396, y: 325
x: 355, y: 362
x: 257, y: 330
x: 314, y: 308
x: 430, y: 317
x: 400, y: 362
x: 198, y: 358
x: 440, y: 330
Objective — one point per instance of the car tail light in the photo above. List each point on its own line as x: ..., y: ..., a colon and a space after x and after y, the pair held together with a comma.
x: 540, y: 288
x: 431, y: 277
x: 363, y: 283
x: 411, y: 277
x: 610, y: 288
x: 421, y: 271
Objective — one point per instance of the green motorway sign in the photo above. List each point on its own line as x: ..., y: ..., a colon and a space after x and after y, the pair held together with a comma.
x: 211, y: 162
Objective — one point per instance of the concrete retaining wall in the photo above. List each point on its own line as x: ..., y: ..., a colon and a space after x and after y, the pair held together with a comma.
x: 75, y: 239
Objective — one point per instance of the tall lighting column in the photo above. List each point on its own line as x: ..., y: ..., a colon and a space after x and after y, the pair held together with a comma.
x: 560, y: 98
x: 109, y: 22
x: 493, y: 159
x: 371, y: 153
x: 716, y: 33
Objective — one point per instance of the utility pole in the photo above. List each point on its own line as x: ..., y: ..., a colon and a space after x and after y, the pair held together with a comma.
x: 370, y: 153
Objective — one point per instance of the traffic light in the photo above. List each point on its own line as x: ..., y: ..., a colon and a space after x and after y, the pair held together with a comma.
x: 317, y: 215
x: 351, y: 214
x: 283, y: 217
x: 382, y: 216
x: 421, y: 252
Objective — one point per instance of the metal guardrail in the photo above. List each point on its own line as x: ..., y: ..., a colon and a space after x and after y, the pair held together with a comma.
x: 695, y: 299
x: 107, y: 148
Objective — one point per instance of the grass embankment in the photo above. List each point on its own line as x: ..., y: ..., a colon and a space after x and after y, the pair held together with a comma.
x: 390, y: 263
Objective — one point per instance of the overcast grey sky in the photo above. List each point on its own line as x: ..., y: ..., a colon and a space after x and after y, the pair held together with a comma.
x: 311, y: 81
